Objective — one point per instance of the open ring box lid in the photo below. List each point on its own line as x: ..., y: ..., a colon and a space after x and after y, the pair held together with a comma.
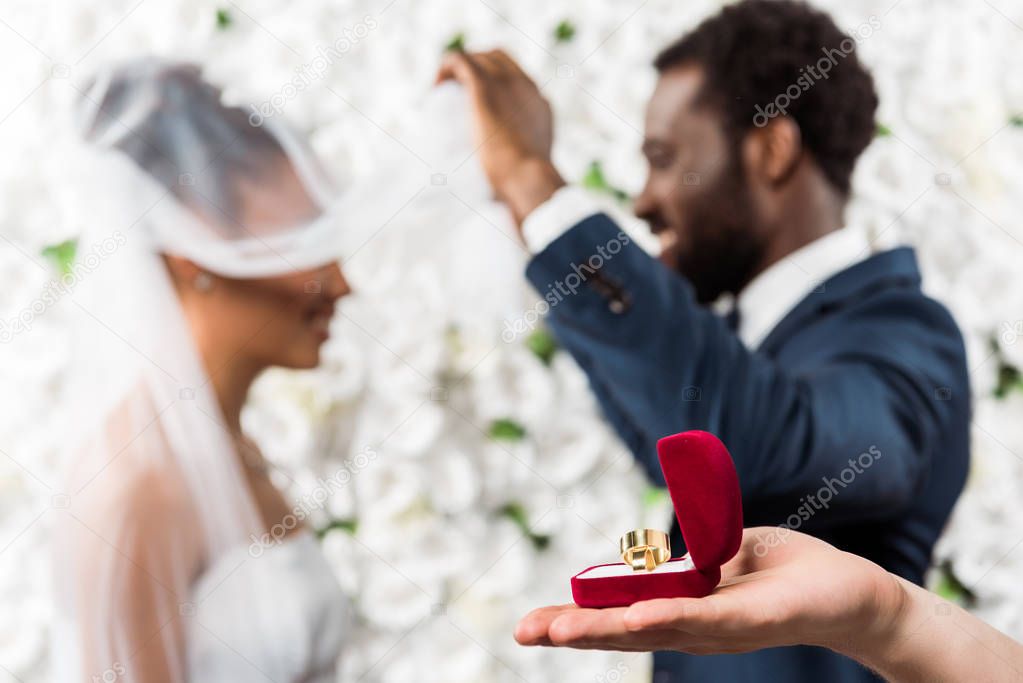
x: 704, y: 489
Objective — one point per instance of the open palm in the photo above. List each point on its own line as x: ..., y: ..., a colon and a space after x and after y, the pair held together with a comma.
x: 782, y: 588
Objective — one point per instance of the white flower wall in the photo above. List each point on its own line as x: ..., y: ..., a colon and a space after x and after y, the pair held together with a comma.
x: 460, y: 475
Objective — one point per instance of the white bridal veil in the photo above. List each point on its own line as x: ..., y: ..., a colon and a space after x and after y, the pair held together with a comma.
x: 155, y: 490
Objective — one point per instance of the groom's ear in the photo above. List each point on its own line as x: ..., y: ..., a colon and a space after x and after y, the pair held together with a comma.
x: 774, y: 150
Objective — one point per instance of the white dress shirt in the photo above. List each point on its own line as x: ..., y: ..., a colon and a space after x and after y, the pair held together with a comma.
x: 765, y: 301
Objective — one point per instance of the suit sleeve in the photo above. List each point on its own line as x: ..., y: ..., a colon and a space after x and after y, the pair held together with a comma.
x: 861, y: 425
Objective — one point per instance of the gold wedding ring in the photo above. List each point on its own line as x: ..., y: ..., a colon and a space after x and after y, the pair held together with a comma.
x: 645, y: 549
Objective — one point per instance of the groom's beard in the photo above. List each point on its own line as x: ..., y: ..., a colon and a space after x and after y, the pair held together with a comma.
x: 722, y: 248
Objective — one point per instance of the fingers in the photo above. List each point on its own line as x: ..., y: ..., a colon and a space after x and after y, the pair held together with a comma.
x: 532, y: 629
x: 569, y: 624
x: 683, y: 624
x: 588, y: 625
x: 651, y: 641
x: 509, y: 65
x: 712, y: 614
x: 604, y: 629
x: 491, y: 64
x: 457, y: 66
x: 572, y: 626
x: 469, y: 67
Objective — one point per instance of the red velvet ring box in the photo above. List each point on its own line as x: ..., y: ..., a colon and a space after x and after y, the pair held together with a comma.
x: 704, y: 489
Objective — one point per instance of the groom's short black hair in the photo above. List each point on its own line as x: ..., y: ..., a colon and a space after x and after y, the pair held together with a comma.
x: 767, y: 58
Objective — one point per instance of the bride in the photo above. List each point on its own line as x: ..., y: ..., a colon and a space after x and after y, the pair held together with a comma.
x: 219, y: 262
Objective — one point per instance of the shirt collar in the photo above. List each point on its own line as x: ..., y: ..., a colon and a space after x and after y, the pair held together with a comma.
x: 769, y: 297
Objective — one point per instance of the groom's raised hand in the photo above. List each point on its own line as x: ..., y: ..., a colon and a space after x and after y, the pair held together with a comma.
x: 512, y: 126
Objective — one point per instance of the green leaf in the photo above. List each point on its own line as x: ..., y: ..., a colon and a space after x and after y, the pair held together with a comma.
x: 1016, y: 121
x: 347, y: 525
x: 540, y: 541
x: 1009, y: 377
x: 655, y: 496
x: 62, y: 255
x: 517, y: 514
x: 506, y: 429
x: 564, y: 31
x: 542, y: 343
x: 224, y: 19
x: 595, y: 180
x: 951, y: 588
x: 456, y: 44
x: 882, y: 131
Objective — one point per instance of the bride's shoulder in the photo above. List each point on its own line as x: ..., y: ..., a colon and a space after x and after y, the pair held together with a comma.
x: 138, y: 494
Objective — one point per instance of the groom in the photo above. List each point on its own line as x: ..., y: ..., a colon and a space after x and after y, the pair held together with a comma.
x: 840, y: 389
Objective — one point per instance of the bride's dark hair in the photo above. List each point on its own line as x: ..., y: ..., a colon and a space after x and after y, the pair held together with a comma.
x: 178, y: 104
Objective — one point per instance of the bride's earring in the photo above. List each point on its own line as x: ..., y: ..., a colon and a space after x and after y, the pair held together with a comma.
x: 203, y: 282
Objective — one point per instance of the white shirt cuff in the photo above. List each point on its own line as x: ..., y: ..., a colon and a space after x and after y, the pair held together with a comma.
x: 549, y: 221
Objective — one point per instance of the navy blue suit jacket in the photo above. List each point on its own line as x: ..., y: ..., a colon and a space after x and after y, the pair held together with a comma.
x: 866, y: 364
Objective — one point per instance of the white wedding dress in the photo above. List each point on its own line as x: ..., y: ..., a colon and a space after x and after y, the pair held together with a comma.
x: 279, y: 617
x: 299, y: 633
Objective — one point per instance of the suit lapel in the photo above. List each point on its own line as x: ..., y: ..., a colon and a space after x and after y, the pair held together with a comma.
x: 897, y: 267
